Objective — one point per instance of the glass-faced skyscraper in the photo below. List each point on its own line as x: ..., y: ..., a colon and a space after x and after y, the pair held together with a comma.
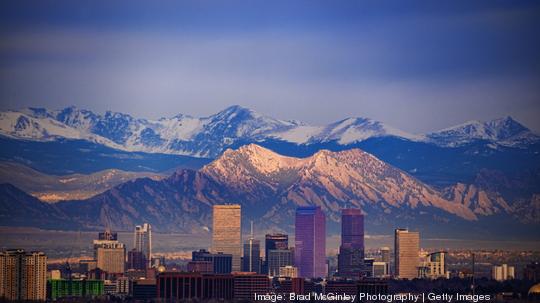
x: 351, y: 250
x: 275, y: 241
x: 143, y: 241
x: 310, y: 242
x: 226, y: 232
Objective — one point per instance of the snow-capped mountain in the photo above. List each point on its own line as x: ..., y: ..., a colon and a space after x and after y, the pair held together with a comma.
x: 234, y: 126
x: 503, y: 131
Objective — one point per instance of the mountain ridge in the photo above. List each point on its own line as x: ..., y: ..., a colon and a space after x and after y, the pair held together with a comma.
x: 210, y: 136
x: 271, y: 186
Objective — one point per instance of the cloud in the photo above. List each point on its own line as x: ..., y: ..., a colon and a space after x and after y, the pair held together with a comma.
x: 417, y: 72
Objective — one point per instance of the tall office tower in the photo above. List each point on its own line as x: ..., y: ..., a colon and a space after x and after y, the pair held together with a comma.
x: 406, y: 249
x: 110, y: 255
x: 310, y: 242
x: 275, y: 241
x: 278, y: 258
x: 226, y: 235
x: 23, y: 276
x: 143, y: 241
x: 351, y: 250
x: 251, y: 262
x: 136, y: 260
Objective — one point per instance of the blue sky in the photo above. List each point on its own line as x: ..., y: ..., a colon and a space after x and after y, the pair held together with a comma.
x: 417, y: 65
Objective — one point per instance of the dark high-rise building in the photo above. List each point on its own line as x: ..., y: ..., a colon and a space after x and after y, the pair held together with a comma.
x: 278, y: 258
x: 275, y: 241
x: 251, y: 262
x: 136, y: 260
x: 531, y: 272
x: 222, y: 263
x: 174, y: 286
x: 310, y: 242
x: 351, y: 250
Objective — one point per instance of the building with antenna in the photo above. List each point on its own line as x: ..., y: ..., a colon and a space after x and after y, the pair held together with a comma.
x: 251, y: 262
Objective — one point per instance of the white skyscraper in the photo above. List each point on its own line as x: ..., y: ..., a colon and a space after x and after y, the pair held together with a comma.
x: 143, y: 241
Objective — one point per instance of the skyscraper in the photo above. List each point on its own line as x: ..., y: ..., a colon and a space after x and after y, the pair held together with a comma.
x: 310, y: 242
x: 23, y: 276
x: 110, y: 255
x: 275, y: 241
x: 351, y: 250
x: 406, y: 248
x: 226, y: 235
x: 143, y: 241
x: 251, y: 262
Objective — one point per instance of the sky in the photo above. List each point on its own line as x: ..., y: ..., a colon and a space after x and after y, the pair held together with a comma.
x: 416, y: 65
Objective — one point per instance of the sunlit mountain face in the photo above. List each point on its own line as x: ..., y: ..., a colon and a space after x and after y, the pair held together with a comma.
x: 270, y: 186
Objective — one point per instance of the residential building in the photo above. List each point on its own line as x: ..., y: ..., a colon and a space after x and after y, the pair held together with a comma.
x: 23, y: 275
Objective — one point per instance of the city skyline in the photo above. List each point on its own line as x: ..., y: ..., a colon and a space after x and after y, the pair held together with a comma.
x: 269, y: 151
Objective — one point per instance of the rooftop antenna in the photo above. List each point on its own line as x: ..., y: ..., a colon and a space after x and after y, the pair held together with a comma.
x: 252, y: 237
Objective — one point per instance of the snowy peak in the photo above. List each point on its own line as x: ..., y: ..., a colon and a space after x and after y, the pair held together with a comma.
x: 234, y: 126
x: 357, y: 129
x: 504, y: 131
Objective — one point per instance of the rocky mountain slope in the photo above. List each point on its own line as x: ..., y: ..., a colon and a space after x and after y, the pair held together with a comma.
x: 270, y: 186
x: 51, y: 188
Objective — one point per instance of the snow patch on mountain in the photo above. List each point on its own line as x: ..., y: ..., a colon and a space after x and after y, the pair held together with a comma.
x: 210, y: 136
x: 503, y: 131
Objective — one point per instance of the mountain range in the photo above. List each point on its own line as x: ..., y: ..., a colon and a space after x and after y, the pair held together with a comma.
x: 270, y: 186
x: 210, y: 136
x: 111, y: 170
x: 72, y: 140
